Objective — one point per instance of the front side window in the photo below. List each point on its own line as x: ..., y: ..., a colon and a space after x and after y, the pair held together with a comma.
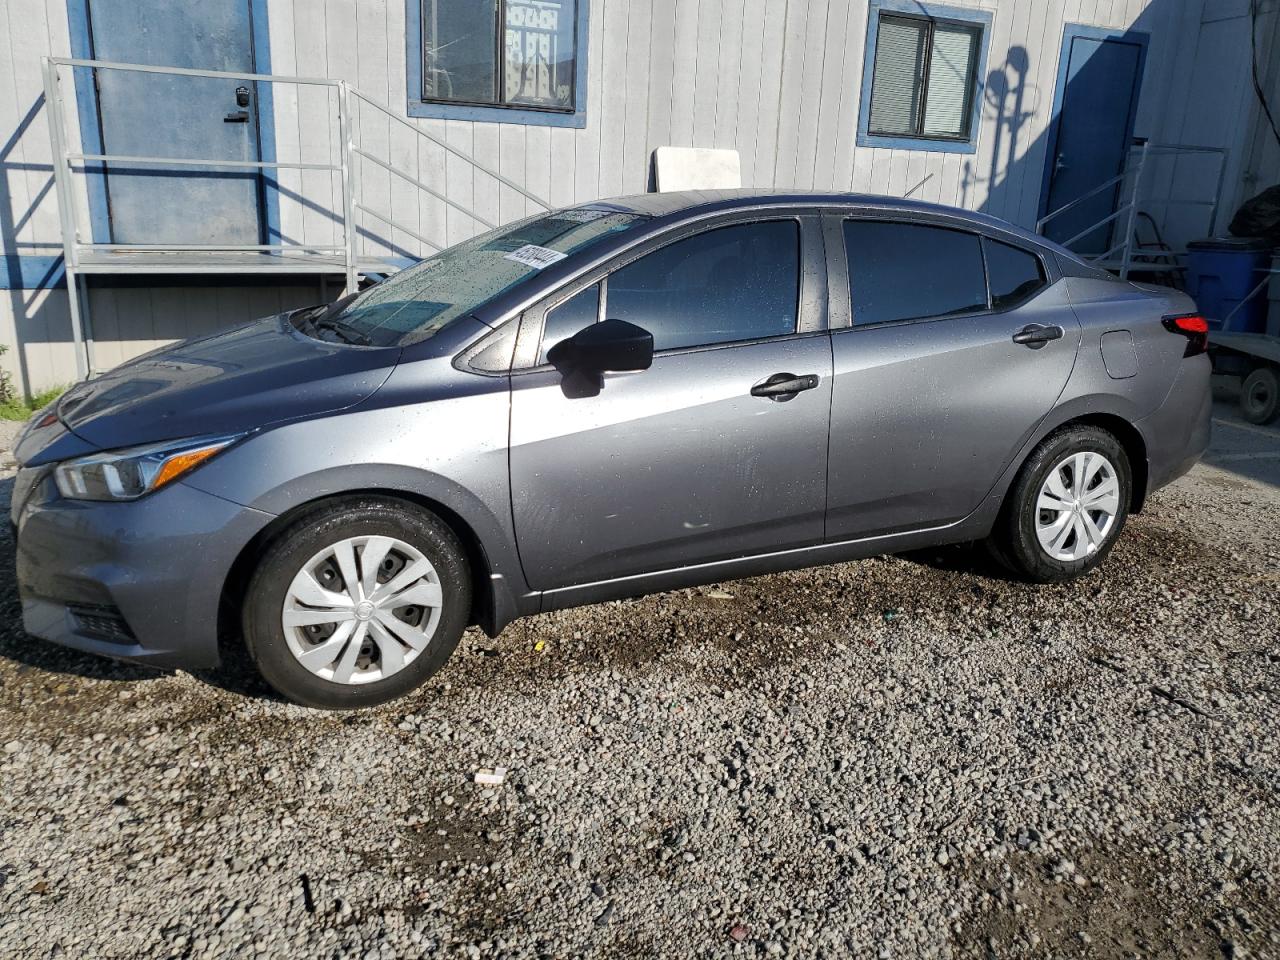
x: 912, y: 271
x: 923, y: 78
x: 729, y: 284
x: 500, y: 53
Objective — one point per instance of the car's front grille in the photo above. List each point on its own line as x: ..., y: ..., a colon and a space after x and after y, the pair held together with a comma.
x: 103, y: 622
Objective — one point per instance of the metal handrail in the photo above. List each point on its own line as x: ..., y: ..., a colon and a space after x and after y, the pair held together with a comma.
x: 191, y: 162
x: 398, y: 226
x: 189, y: 71
x: 68, y: 163
x: 1101, y: 223
x: 1079, y: 200
x: 450, y: 148
x: 424, y: 188
x: 1129, y: 210
x: 196, y: 247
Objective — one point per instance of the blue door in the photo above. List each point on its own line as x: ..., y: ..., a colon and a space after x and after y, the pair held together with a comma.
x: 1098, y: 84
x: 147, y: 114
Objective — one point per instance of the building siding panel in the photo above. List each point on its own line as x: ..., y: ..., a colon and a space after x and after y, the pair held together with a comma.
x: 777, y: 81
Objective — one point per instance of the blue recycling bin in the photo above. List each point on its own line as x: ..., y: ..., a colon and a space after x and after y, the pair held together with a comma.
x: 1221, y: 273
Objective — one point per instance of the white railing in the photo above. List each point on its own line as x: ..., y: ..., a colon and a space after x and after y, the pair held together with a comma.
x: 1123, y: 256
x: 352, y: 152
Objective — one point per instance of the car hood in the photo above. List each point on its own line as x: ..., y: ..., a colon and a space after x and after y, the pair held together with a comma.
x: 241, y: 379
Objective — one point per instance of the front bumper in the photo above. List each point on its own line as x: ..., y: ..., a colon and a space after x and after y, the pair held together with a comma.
x: 138, y: 581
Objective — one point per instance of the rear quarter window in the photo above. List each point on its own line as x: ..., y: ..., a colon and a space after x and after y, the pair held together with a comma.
x: 1015, y: 275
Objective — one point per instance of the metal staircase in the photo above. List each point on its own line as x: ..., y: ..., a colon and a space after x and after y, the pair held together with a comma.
x: 1132, y: 188
x: 352, y: 116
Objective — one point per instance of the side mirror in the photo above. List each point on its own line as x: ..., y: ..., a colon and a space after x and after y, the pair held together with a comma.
x: 610, y: 346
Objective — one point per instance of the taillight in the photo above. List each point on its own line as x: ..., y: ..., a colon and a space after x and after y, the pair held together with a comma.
x: 1192, y: 326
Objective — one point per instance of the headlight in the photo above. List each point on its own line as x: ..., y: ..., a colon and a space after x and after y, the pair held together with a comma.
x: 136, y: 471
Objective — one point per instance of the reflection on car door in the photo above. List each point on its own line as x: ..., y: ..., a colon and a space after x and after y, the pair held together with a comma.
x: 680, y: 464
x: 927, y: 413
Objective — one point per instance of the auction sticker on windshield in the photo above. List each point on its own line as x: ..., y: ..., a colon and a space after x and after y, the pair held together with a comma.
x: 532, y: 255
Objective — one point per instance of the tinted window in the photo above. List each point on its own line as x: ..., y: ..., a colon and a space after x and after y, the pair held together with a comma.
x: 734, y: 283
x: 903, y: 271
x: 1013, y: 273
x: 580, y: 310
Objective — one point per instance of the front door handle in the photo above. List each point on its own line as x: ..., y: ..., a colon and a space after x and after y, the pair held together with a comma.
x: 1036, y: 335
x: 238, y: 116
x: 782, y: 387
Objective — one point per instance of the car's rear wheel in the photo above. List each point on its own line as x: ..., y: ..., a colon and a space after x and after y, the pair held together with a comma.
x: 1067, y: 506
x: 357, y: 603
x: 1260, y: 395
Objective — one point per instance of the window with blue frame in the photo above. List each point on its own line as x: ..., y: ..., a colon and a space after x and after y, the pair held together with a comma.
x: 923, y: 78
x: 517, y: 61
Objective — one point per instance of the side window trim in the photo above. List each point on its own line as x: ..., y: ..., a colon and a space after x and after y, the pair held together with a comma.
x: 812, y: 293
x: 837, y: 263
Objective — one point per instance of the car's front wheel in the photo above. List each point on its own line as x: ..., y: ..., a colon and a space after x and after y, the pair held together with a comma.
x: 357, y: 603
x: 1067, y: 506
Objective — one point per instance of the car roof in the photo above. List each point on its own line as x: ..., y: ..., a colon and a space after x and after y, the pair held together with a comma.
x: 701, y: 202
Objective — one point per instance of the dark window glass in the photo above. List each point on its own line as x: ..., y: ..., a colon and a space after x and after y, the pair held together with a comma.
x: 580, y: 310
x: 904, y: 271
x: 734, y: 283
x: 1013, y: 273
x: 459, y: 52
x: 530, y: 63
x: 923, y: 78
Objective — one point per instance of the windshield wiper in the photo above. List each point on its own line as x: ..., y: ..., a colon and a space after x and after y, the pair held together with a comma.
x: 344, y: 331
x: 312, y: 320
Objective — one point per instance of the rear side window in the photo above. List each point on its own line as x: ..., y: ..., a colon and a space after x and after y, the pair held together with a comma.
x: 732, y: 283
x: 1013, y: 273
x: 568, y: 318
x: 908, y: 271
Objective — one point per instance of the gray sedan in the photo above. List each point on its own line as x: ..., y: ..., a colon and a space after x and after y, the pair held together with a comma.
x: 613, y: 399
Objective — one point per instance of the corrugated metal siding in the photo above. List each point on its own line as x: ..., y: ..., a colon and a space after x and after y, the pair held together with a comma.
x: 778, y: 81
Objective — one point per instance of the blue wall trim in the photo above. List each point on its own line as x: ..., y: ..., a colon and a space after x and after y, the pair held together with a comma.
x: 934, y: 11
x: 90, y: 131
x: 23, y: 272
x: 1069, y: 33
x: 417, y: 107
x: 259, y: 22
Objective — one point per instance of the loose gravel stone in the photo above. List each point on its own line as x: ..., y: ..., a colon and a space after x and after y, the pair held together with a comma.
x: 901, y: 757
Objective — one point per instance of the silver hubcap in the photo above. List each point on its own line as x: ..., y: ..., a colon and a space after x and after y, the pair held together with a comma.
x: 1077, y: 506
x: 362, y: 609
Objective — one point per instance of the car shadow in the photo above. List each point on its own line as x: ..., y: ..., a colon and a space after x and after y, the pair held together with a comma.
x: 971, y: 559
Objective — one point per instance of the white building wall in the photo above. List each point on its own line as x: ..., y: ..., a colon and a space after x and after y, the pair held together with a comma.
x: 777, y: 81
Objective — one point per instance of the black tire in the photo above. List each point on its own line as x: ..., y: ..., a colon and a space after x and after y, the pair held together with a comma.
x: 327, y: 525
x: 1014, y: 542
x: 1260, y: 395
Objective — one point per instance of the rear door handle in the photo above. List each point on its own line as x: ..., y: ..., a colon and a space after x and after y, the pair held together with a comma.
x: 1036, y: 335
x: 782, y: 387
x: 237, y: 116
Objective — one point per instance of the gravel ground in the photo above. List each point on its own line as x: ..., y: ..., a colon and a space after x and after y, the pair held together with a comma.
x: 899, y: 757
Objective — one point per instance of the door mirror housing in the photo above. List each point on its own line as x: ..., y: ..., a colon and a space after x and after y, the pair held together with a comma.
x: 611, y: 346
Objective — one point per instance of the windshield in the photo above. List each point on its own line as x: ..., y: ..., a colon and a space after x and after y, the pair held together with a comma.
x: 421, y: 301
